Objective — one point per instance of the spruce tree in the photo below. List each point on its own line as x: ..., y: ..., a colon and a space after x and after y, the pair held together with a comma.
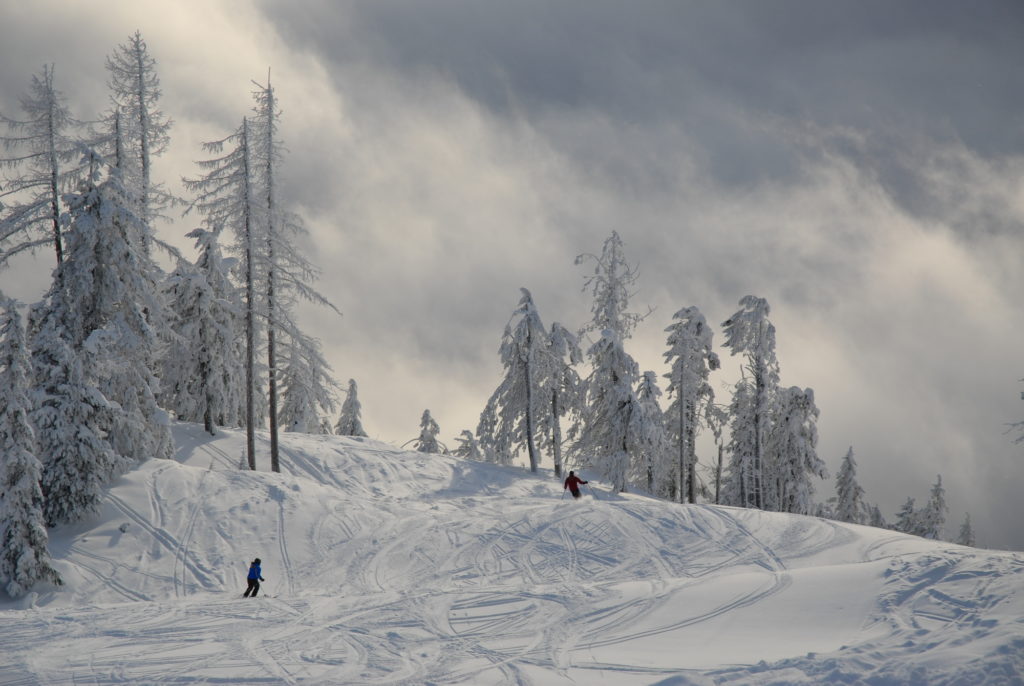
x: 850, y: 506
x: 24, y: 556
x: 429, y: 429
x: 350, y: 422
x: 691, y: 359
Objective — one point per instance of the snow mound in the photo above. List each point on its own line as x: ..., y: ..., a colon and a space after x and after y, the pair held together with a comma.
x: 389, y: 566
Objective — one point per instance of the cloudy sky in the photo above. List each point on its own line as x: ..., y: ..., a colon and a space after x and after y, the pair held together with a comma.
x: 859, y: 164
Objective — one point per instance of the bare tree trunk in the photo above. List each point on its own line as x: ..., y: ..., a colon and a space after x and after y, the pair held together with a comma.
x: 530, y: 447
x: 556, y: 435
x: 275, y: 463
x: 250, y: 322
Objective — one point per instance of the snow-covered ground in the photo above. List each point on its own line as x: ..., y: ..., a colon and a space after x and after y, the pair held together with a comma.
x: 392, y: 567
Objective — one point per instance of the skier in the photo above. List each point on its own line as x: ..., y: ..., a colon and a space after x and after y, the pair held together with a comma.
x: 255, y: 577
x: 572, y: 482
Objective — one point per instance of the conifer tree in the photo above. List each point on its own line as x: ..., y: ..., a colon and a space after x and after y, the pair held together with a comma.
x: 520, y: 397
x: 652, y: 448
x: 140, y: 131
x: 908, y: 519
x: 469, y: 448
x: 749, y: 333
x: 966, y: 536
x: 604, y: 439
x: 427, y: 441
x: 850, y: 506
x: 691, y: 359
x: 24, y: 556
x: 932, y: 517
x: 565, y: 389
x: 792, y: 457
x: 203, y: 373
x: 46, y: 164
x: 225, y: 194
x: 71, y: 418
x: 350, y: 422
x: 307, y: 390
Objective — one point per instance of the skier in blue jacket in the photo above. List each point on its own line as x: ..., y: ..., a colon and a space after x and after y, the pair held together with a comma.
x: 255, y: 577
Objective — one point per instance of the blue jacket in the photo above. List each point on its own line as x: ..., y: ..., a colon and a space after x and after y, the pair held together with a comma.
x: 255, y: 572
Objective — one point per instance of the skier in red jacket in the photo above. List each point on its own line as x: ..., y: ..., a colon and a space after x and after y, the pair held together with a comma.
x: 572, y: 482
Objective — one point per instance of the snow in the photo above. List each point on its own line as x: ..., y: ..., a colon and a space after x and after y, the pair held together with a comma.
x: 399, y: 567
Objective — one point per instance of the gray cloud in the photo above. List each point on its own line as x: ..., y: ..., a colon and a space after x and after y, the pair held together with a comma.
x: 858, y: 164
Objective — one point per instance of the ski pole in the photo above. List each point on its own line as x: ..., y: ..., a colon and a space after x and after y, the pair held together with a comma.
x: 591, y: 489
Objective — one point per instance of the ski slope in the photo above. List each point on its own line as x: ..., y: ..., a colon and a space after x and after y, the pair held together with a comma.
x: 392, y: 567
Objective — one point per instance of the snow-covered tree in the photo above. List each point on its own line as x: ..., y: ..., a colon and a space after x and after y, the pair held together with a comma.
x: 106, y: 283
x: 691, y: 360
x: 286, y: 273
x: 607, y: 433
x: 908, y: 519
x: 350, y: 422
x: 225, y: 194
x: 966, y: 536
x: 520, y: 397
x: 469, y: 448
x: 493, y: 443
x: 71, y: 418
x: 749, y: 333
x: 140, y: 130
x: 651, y: 447
x: 427, y: 441
x: 307, y: 389
x: 45, y: 165
x: 792, y: 457
x: 610, y: 398
x: 203, y: 376
x: 564, y: 388
x: 875, y: 518
x: 850, y: 506
x: 24, y: 556
x: 932, y: 517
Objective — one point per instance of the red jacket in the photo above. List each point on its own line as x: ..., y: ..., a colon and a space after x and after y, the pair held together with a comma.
x: 573, y: 483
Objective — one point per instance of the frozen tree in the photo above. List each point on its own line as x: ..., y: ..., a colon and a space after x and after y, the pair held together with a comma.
x: 106, y: 283
x: 307, y: 389
x: 966, y: 536
x: 749, y: 333
x: 651, y: 447
x: 429, y: 429
x: 203, y: 377
x: 691, y: 360
x: 24, y: 557
x: 932, y: 518
x: 286, y: 272
x: 850, y: 506
x: 521, y: 397
x: 225, y: 194
x: 350, y: 423
x: 71, y: 418
x: 908, y: 519
x: 875, y: 518
x: 45, y: 164
x: 607, y: 434
x: 610, y: 398
x: 564, y: 387
x: 493, y: 443
x: 140, y: 129
x: 792, y: 457
x: 469, y: 448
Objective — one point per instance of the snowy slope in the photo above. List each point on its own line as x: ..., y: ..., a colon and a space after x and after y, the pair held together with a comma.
x: 392, y: 567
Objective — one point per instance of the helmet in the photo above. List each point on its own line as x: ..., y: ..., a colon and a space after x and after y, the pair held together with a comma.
x: 256, y: 561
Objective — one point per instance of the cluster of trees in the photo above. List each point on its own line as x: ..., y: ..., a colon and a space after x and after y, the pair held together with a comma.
x: 611, y: 420
x: 117, y: 345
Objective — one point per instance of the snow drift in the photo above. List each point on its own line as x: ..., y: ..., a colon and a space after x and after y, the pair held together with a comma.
x: 388, y: 566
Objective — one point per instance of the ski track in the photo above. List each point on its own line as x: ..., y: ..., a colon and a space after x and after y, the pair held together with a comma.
x: 501, y: 585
